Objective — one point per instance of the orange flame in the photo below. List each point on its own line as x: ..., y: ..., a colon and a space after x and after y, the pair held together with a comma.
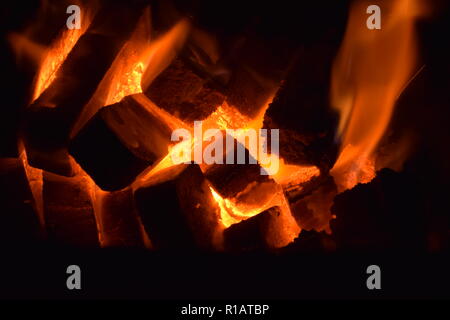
x: 163, y: 50
x: 370, y: 72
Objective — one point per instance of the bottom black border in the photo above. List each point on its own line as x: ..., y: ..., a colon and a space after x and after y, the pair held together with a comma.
x: 40, y: 273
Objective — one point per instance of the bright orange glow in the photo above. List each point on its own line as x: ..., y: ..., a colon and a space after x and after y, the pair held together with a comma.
x: 236, y: 210
x: 98, y: 197
x: 167, y: 161
x: 225, y: 117
x: 228, y: 117
x: 294, y: 174
x: 138, y: 63
x: 130, y: 84
x: 124, y: 76
x: 54, y: 58
x: 50, y: 59
x: 141, y: 60
x: 153, y: 171
x: 282, y: 230
x: 285, y: 229
x: 128, y: 68
x: 370, y: 72
x: 231, y: 213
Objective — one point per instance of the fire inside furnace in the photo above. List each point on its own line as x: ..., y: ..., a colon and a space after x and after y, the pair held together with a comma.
x: 107, y: 100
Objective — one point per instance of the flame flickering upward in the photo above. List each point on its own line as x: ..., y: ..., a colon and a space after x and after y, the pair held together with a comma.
x: 369, y: 73
x: 160, y: 53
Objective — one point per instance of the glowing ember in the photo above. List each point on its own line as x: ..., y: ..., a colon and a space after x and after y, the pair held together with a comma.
x: 128, y: 68
x: 279, y: 234
x: 141, y: 60
x: 286, y: 229
x: 50, y: 59
x: 98, y: 197
x: 231, y: 213
x: 294, y: 174
x: 360, y: 170
x: 54, y: 58
x: 109, y: 225
x: 130, y: 84
x: 138, y: 63
x: 226, y: 117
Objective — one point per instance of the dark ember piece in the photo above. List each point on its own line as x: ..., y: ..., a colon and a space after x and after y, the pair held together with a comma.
x: 119, y: 223
x: 313, y: 210
x: 20, y: 219
x: 178, y: 210
x: 301, y: 110
x: 123, y: 139
x: 253, y: 233
x: 248, y: 94
x: 68, y: 211
x: 184, y: 94
x: 311, y: 242
x: 382, y: 214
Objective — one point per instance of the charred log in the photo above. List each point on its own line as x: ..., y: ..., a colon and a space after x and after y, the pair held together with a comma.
x: 248, y: 235
x: 178, y: 210
x: 313, y: 210
x: 311, y: 242
x: 260, y: 232
x: 19, y: 215
x: 68, y: 211
x: 301, y: 109
x: 380, y: 215
x: 119, y: 223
